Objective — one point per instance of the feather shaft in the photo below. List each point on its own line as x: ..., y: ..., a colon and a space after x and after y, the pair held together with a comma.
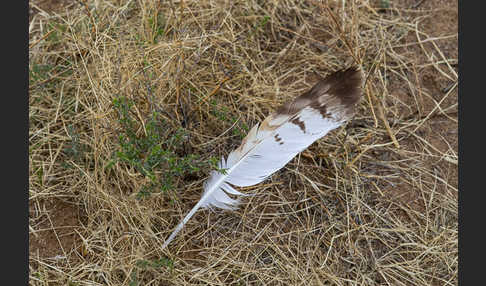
x: 201, y: 202
x: 182, y: 223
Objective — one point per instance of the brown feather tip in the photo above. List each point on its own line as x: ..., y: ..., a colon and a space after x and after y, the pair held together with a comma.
x: 343, y: 84
x: 346, y: 85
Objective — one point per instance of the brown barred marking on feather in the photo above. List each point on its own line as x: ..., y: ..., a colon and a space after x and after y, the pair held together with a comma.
x: 321, y: 107
x: 341, y: 88
x: 299, y: 123
x: 278, y: 139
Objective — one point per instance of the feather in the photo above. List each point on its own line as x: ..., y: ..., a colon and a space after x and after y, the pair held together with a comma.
x: 280, y: 137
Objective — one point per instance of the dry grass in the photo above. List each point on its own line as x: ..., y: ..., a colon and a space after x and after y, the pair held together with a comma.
x: 373, y: 203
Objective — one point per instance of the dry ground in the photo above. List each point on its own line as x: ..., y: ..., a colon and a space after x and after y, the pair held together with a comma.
x: 372, y: 203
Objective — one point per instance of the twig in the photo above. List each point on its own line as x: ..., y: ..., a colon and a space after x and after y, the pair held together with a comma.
x: 216, y: 89
x: 344, y: 39
x: 85, y: 2
x: 149, y: 90
x: 49, y: 79
x: 416, y: 5
x: 42, y: 38
x: 387, y: 126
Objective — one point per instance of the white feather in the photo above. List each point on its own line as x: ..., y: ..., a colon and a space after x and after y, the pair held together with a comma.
x: 267, y: 148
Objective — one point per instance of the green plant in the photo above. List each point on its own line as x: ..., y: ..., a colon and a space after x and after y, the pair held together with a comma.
x: 158, y: 263
x: 74, y: 149
x: 157, y: 153
x: 385, y: 4
x: 260, y: 25
x: 156, y: 24
x: 142, y: 266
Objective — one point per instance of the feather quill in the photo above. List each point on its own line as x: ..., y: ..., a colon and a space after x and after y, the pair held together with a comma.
x: 269, y: 146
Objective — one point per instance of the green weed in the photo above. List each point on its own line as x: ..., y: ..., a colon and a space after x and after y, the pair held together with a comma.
x: 260, y: 25
x: 384, y: 4
x: 156, y: 153
x: 156, y: 23
x: 158, y: 263
x: 133, y: 278
x: 39, y: 72
x: 143, y: 265
x: 74, y: 149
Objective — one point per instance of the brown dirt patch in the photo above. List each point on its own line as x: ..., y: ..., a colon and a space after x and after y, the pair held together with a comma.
x: 54, y: 223
x: 425, y: 95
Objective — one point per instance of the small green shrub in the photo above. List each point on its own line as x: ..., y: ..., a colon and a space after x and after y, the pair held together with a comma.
x: 156, y: 153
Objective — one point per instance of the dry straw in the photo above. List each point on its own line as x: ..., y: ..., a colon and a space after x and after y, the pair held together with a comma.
x: 373, y: 203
